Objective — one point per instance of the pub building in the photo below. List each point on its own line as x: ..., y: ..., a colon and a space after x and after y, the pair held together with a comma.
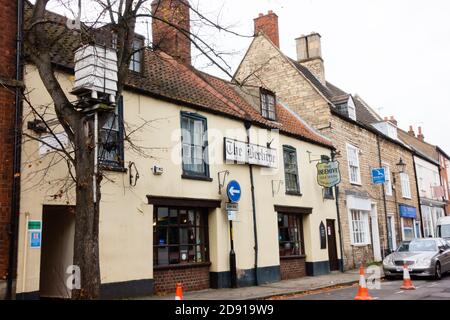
x: 162, y: 214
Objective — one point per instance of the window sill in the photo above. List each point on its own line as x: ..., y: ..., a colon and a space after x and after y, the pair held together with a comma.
x: 358, y: 184
x: 329, y: 197
x: 293, y: 257
x: 182, y: 266
x: 114, y: 169
x: 407, y: 198
x: 360, y: 244
x: 199, y: 178
x: 293, y: 193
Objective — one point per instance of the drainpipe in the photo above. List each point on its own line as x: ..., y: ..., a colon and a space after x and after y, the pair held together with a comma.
x: 255, y: 228
x: 341, y: 244
x: 14, y: 229
x: 418, y: 198
x: 383, y: 190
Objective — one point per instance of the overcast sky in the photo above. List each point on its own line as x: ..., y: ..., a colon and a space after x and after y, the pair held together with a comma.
x: 395, y: 54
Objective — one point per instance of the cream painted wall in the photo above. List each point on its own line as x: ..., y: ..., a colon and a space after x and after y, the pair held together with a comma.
x: 126, y: 219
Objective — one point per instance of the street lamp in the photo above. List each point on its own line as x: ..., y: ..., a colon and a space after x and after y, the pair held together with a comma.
x: 401, y: 165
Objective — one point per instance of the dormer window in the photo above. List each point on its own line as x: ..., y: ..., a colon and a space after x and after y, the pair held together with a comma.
x: 347, y: 108
x: 136, y: 56
x: 268, y: 103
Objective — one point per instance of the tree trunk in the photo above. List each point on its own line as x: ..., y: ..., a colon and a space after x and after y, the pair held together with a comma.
x: 86, y: 246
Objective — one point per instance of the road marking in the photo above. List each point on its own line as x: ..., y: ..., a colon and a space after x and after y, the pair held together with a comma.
x: 399, y: 292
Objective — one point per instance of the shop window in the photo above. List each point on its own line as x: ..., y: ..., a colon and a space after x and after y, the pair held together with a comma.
x: 406, y: 187
x: 180, y: 236
x: 408, y: 227
x: 353, y: 164
x: 111, y: 139
x: 268, y: 104
x: 291, y: 170
x: 290, y: 235
x: 359, y: 227
x: 194, y: 145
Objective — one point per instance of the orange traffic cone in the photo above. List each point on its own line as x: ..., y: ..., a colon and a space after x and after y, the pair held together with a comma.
x: 363, y: 292
x: 407, y: 283
x: 179, y: 292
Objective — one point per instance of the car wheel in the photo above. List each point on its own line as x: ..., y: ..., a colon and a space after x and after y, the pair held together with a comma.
x: 437, y: 271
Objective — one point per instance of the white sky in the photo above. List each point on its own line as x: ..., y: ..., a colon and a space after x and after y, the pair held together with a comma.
x: 393, y: 53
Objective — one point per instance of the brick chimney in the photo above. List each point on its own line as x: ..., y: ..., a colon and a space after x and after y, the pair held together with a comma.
x: 167, y: 38
x: 420, y: 135
x: 393, y: 120
x: 268, y: 24
x: 411, y: 131
x: 309, y: 54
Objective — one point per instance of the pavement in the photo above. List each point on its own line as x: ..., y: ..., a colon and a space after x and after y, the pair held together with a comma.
x: 426, y: 289
x: 285, y: 287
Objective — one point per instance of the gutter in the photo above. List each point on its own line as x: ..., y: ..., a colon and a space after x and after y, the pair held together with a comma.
x: 14, y: 227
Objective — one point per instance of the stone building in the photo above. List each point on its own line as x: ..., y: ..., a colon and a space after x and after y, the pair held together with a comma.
x: 373, y: 220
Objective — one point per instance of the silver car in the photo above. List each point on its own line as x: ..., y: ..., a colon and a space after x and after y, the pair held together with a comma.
x: 424, y: 257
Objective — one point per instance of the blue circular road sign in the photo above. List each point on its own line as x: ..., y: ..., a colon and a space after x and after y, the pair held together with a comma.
x: 234, y: 191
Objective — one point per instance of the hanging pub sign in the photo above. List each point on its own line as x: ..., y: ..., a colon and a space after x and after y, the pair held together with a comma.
x: 328, y: 174
x: 323, y: 236
x: 247, y: 153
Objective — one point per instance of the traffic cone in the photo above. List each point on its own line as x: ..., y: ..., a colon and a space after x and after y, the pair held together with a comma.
x: 363, y: 292
x: 407, y: 283
x: 179, y: 292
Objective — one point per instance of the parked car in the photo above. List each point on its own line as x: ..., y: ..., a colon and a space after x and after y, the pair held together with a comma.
x: 424, y: 257
x: 443, y: 228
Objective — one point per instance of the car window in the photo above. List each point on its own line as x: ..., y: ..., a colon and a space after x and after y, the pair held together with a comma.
x: 418, y: 246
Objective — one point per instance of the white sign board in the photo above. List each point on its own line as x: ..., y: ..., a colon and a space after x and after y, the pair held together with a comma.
x: 247, y: 153
x: 49, y: 142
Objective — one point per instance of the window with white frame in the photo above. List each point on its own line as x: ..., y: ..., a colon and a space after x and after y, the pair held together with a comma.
x: 359, y: 227
x: 408, y: 226
x: 406, y: 187
x: 351, y: 109
x: 353, y: 164
x: 388, y: 183
x: 437, y: 214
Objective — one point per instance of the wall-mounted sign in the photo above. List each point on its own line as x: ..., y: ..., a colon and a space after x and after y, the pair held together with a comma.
x: 234, y: 191
x: 35, y: 239
x: 408, y: 211
x: 378, y: 176
x: 231, y: 206
x: 328, y: 174
x: 34, y: 225
x: 323, y: 236
x: 247, y: 153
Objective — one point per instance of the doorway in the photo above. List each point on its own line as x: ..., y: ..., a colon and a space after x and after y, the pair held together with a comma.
x: 332, y: 248
x: 375, y: 234
x: 58, y: 231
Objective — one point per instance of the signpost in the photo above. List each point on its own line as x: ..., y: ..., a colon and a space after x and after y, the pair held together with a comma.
x: 378, y: 176
x: 234, y: 195
x: 248, y: 153
x: 328, y: 174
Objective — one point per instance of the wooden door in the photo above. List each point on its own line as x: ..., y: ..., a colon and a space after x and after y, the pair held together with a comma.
x: 332, y: 249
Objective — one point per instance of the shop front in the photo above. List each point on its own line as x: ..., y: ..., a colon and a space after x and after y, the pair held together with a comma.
x: 410, y: 227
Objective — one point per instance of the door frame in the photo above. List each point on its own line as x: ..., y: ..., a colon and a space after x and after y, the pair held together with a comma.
x: 391, y: 217
x: 376, y: 245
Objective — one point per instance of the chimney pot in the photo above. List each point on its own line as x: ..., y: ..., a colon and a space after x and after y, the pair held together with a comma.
x: 420, y: 135
x: 268, y: 24
x: 309, y: 54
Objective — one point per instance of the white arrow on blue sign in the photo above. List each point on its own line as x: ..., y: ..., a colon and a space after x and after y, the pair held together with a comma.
x: 234, y: 191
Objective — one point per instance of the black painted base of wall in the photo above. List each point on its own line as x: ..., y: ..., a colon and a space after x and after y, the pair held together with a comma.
x: 318, y: 268
x: 108, y: 291
x: 246, y: 278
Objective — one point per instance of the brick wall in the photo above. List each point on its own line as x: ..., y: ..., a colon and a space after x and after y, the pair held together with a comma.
x: 292, y: 268
x: 268, y: 24
x: 7, y: 100
x: 192, y: 278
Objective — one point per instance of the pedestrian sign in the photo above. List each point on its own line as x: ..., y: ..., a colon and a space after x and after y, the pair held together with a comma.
x: 378, y: 176
x: 35, y: 239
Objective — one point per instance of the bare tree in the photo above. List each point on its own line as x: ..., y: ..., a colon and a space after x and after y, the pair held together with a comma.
x: 120, y: 16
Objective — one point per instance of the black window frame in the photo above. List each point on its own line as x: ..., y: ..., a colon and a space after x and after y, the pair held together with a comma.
x: 297, y: 190
x: 265, y: 110
x: 189, y: 174
x: 168, y: 228
x: 298, y: 224
x: 136, y: 55
x: 120, y: 162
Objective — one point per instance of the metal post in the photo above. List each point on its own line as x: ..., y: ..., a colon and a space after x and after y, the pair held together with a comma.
x: 233, y: 268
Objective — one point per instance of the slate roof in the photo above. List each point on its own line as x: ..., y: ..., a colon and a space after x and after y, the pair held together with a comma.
x: 164, y: 77
x: 422, y: 148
